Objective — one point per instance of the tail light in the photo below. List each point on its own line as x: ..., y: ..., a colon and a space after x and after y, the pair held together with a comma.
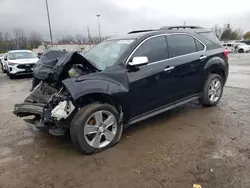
x: 226, y: 53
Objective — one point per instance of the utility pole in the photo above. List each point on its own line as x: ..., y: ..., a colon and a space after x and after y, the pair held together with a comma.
x: 89, y: 37
x: 50, y: 32
x: 99, y: 28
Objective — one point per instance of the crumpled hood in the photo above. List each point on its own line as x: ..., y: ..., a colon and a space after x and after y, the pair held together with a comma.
x: 53, y: 65
x: 24, y: 61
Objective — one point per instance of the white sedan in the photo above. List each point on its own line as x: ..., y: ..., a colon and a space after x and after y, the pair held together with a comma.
x: 20, y: 62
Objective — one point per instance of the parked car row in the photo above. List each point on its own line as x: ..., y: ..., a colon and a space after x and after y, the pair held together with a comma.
x: 18, y: 62
x: 236, y: 46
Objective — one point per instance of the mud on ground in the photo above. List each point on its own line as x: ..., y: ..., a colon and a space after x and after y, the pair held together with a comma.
x: 187, y: 145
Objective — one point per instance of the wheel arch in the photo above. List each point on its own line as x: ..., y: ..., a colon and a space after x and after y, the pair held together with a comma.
x: 218, y: 66
x: 103, y: 97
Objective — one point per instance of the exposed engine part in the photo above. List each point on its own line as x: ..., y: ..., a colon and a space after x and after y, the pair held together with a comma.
x: 42, y: 93
x: 62, y: 110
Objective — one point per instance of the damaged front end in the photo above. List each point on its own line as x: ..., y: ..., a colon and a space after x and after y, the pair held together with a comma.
x: 50, y: 103
x: 51, y: 107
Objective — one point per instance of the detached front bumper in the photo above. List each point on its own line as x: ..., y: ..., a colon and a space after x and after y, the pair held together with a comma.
x: 26, y: 109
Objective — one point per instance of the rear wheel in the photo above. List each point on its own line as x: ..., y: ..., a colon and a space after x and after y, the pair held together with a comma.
x: 212, y: 90
x: 95, y: 128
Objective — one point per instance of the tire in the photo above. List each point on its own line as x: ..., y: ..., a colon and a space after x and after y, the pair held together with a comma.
x: 78, y: 126
x: 206, y: 99
x: 241, y: 51
x: 11, y: 76
x: 3, y: 71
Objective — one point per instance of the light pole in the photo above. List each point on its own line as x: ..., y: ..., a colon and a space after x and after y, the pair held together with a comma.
x: 99, y: 28
x: 50, y: 32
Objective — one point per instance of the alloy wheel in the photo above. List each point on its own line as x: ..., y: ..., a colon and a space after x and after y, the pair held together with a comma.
x: 100, y: 129
x: 215, y: 90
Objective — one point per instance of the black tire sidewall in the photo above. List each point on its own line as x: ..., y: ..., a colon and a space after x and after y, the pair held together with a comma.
x: 205, y: 97
x: 79, y: 121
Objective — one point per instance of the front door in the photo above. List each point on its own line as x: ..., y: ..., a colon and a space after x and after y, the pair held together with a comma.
x: 150, y: 86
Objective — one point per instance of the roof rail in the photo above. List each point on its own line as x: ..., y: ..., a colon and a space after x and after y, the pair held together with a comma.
x: 180, y: 27
x: 140, y: 31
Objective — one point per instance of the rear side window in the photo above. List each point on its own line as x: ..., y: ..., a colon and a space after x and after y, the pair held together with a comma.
x: 211, y: 37
x: 200, y: 47
x: 180, y: 45
x: 155, y: 49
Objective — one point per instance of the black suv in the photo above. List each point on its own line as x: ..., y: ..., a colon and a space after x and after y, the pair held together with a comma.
x: 124, y: 80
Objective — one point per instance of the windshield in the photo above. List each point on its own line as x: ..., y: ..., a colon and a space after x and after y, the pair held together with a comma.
x: 21, y: 55
x: 106, y: 53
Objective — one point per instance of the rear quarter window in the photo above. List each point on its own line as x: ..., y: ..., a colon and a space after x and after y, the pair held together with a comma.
x: 211, y: 40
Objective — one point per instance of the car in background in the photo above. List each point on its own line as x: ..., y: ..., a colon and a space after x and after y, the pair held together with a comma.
x: 4, y: 63
x: 1, y: 57
x: 19, y: 62
x: 229, y: 47
x: 242, y: 48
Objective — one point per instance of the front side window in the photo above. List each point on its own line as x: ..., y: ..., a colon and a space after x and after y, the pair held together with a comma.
x: 181, y: 45
x: 106, y: 53
x: 21, y: 55
x: 155, y: 49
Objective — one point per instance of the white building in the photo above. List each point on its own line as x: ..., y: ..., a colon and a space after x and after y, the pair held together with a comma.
x: 79, y: 47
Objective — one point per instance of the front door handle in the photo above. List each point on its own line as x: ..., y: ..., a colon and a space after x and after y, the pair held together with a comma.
x: 203, y: 57
x: 168, y: 69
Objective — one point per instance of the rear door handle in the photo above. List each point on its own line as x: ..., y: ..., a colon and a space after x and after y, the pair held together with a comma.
x: 168, y: 69
x: 203, y: 57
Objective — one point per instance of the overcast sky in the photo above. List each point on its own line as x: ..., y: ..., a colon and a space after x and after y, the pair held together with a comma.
x: 119, y: 16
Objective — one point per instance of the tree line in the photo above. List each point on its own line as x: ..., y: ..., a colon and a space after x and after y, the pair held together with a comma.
x: 227, y: 32
x: 19, y: 39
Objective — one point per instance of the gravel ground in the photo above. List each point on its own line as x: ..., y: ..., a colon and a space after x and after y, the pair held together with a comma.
x: 185, y: 146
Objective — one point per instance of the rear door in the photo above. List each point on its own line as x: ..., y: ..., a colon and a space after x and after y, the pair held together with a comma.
x: 187, y: 56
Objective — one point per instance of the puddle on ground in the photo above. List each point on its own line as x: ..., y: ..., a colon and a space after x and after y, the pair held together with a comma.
x: 26, y: 141
x: 8, y: 160
x: 5, y: 151
x: 223, y: 153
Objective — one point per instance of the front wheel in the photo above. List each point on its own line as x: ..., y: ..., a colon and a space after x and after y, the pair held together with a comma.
x: 2, y: 68
x: 96, y: 127
x: 11, y: 76
x: 212, y: 90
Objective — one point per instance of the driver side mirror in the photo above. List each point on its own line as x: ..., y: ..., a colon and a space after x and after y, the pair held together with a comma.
x: 5, y: 58
x: 138, y: 61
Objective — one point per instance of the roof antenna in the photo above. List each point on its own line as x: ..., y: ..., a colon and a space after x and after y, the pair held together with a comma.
x: 185, y: 23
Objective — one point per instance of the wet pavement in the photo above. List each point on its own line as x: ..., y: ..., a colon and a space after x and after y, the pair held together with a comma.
x: 185, y: 146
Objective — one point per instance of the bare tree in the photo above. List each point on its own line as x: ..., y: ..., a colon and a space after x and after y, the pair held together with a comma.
x: 20, y: 38
x: 34, y: 39
x: 66, y: 39
x: 247, y: 35
x: 6, y: 42
x: 79, y: 38
x: 217, y: 31
x: 239, y: 33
